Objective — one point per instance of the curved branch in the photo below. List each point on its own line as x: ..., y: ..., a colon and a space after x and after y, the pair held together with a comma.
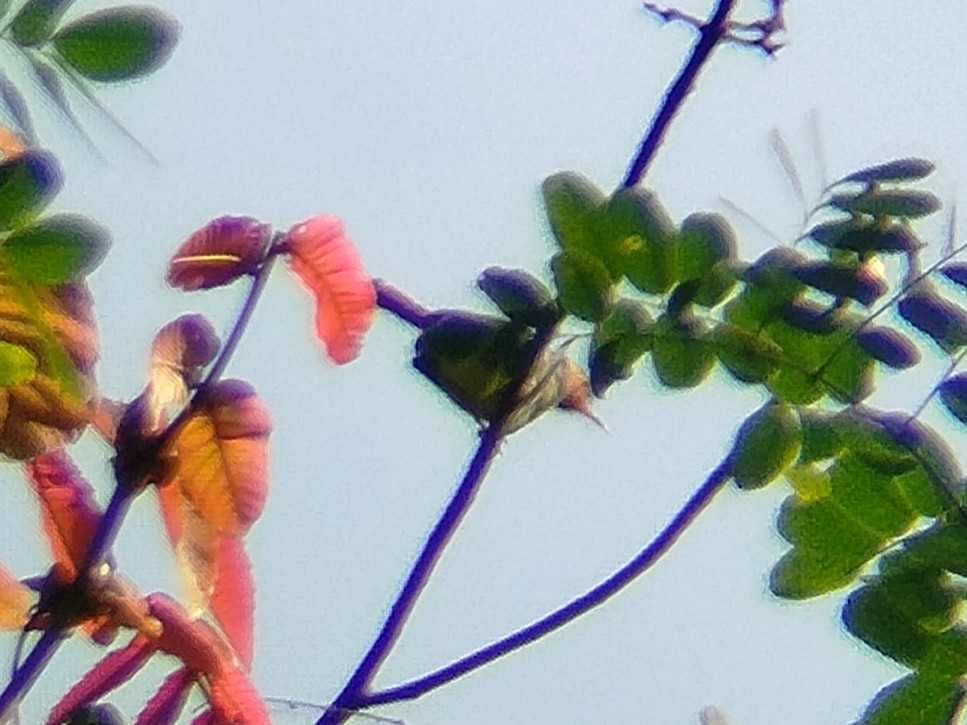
x: 648, y: 556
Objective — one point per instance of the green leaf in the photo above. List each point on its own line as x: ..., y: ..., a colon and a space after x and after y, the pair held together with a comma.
x: 642, y: 243
x: 765, y: 445
x: 619, y: 342
x: 953, y: 394
x: 842, y: 279
x: 27, y: 184
x: 922, y: 698
x: 715, y: 285
x: 889, y: 347
x: 519, y: 295
x: 681, y: 354
x: 870, y: 496
x: 750, y: 358
x: 36, y: 20
x: 870, y: 441
x: 888, y: 614
x: 704, y: 240
x: 56, y: 249
x: 802, y: 572
x: 848, y: 376
x: 17, y: 365
x: 583, y: 285
x: 573, y: 206
x: 910, y: 169
x: 919, y: 491
x: 118, y: 43
x: 473, y: 359
x: 942, y: 321
x: 820, y: 436
x: 879, y: 203
x: 864, y: 238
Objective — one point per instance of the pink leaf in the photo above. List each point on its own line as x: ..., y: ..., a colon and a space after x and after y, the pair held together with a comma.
x: 233, y: 597
x: 328, y: 265
x: 111, y: 672
x: 166, y: 704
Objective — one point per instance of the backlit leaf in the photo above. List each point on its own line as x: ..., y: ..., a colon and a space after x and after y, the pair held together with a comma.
x: 519, y: 295
x: 328, y: 265
x: 233, y: 597
x: 583, y: 284
x: 908, y: 203
x: 921, y: 697
x: 864, y: 237
x: 219, y: 457
x: 17, y: 365
x: 56, y: 249
x: 35, y: 21
x: 117, y: 43
x: 942, y: 321
x: 953, y: 393
x: 641, y: 240
x: 682, y: 356
x: 27, y: 184
x: 219, y: 253
x: 749, y: 357
x: 168, y: 701
x: 619, y: 341
x: 108, y: 674
x: 765, y: 445
x: 909, y: 169
x: 15, y: 602
x: 572, y: 204
x: 473, y: 359
x: 956, y: 272
x: 70, y: 514
x: 842, y: 280
x: 889, y: 347
x: 703, y: 241
x: 56, y: 326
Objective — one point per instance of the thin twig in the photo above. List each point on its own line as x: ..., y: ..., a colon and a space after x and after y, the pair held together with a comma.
x: 709, y: 37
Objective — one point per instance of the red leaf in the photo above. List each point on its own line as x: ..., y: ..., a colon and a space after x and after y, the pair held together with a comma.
x: 327, y: 263
x: 219, y: 253
x: 234, y: 700
x: 166, y: 704
x: 233, y: 597
x: 112, y: 671
x: 190, y: 640
x: 206, y: 718
x: 69, y: 511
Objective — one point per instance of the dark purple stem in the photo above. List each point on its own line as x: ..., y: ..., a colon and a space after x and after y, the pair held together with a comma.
x: 435, y: 544
x: 698, y: 501
x: 393, y: 300
x: 29, y: 670
x: 415, y: 582
x: 710, y: 35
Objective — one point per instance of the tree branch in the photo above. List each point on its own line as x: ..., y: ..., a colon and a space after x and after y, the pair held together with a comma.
x: 637, y: 566
x: 710, y: 35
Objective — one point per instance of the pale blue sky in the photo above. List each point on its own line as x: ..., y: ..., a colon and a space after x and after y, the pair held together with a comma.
x: 428, y: 127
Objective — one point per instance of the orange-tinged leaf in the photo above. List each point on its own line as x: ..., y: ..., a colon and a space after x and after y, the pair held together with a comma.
x: 233, y: 597
x: 11, y: 145
x: 328, y: 264
x: 110, y: 672
x: 15, y: 601
x: 69, y: 512
x: 219, y: 457
x: 219, y: 253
